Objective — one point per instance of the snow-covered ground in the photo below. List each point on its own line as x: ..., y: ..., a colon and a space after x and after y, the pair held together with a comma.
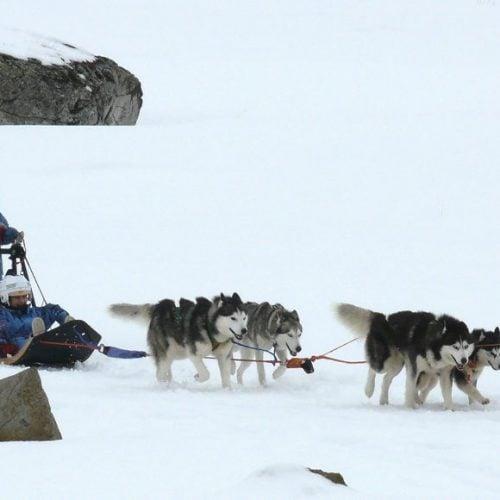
x: 299, y: 152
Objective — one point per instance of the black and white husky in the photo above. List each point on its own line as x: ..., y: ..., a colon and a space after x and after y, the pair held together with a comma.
x: 486, y: 353
x: 427, y: 345
x: 269, y: 327
x: 191, y: 330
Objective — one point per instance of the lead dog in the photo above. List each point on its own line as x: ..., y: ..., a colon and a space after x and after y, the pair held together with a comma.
x: 486, y: 352
x: 269, y: 327
x: 426, y: 344
x: 192, y: 330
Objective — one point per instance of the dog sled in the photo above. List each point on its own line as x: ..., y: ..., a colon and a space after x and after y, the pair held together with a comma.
x: 72, y: 342
x: 63, y: 346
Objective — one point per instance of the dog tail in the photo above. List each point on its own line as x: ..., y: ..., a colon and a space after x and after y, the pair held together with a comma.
x: 357, y: 319
x: 141, y: 312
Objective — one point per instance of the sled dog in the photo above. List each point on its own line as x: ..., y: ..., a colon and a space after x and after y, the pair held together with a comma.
x: 486, y: 352
x: 191, y: 330
x: 269, y: 327
x: 429, y: 346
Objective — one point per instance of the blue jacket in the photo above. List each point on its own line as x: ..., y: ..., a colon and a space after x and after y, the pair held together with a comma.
x: 15, y: 324
x: 7, y: 235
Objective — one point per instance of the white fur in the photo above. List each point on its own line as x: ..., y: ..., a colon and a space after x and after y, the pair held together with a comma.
x: 232, y: 327
x: 484, y: 358
x: 491, y: 358
x: 285, y: 342
x: 433, y: 370
x: 357, y: 319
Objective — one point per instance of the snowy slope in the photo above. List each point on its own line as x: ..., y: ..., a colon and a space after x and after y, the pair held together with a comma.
x: 296, y: 152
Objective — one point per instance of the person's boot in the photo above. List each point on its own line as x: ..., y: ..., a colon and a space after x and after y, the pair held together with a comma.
x: 37, y: 326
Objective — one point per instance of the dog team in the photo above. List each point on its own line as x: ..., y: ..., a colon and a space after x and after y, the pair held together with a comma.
x: 431, y: 348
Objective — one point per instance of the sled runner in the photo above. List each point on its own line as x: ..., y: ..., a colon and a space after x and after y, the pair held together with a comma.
x: 62, y: 346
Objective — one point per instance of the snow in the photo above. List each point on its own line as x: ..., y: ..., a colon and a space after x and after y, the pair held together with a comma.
x: 296, y: 152
x: 26, y: 45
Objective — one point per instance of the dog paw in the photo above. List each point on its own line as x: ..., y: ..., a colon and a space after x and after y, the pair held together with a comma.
x: 485, y: 401
x: 383, y: 402
x: 202, y: 378
x: 278, y: 372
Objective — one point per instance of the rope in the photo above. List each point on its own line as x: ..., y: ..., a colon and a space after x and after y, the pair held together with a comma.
x: 36, y: 281
x: 254, y: 360
x: 314, y: 358
x: 338, y: 347
x: 304, y: 363
x: 33, y: 274
x: 67, y: 344
x: 276, y: 360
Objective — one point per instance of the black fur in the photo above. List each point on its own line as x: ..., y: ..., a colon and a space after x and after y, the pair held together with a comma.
x: 413, y: 333
x: 185, y: 323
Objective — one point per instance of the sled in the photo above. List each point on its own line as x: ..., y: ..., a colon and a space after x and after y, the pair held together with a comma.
x: 61, y: 347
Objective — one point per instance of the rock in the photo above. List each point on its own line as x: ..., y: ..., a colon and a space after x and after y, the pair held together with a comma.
x: 334, y: 477
x: 25, y: 413
x: 91, y: 92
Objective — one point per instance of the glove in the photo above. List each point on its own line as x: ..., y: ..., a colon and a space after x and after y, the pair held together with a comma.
x: 69, y: 318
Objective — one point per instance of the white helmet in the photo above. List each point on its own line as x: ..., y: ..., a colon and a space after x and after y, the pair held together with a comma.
x: 11, y: 286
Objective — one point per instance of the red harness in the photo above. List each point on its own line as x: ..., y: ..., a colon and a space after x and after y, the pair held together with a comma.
x: 6, y: 349
x: 469, y: 370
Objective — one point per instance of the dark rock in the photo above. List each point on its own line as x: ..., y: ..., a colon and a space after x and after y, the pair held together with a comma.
x: 97, y: 92
x: 25, y: 413
x: 334, y: 477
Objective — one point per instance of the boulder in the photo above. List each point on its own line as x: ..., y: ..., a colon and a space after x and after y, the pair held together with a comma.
x: 334, y: 477
x: 25, y: 413
x: 47, y: 82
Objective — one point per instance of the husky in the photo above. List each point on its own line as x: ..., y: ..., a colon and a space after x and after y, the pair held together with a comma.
x: 269, y: 327
x: 192, y: 330
x: 428, y: 346
x: 486, y: 352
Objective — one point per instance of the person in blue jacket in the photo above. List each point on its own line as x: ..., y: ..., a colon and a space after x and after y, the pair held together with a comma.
x: 7, y: 235
x: 19, y: 320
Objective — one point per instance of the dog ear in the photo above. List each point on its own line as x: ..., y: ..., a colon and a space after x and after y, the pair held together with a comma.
x: 295, y: 315
x: 222, y: 296
x: 236, y: 298
x: 274, y: 321
x: 497, y: 331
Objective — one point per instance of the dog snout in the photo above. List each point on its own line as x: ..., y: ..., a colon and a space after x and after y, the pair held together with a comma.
x: 463, y: 361
x: 299, y: 348
x: 244, y: 331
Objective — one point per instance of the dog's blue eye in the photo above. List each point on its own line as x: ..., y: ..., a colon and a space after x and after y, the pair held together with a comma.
x: 234, y: 319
